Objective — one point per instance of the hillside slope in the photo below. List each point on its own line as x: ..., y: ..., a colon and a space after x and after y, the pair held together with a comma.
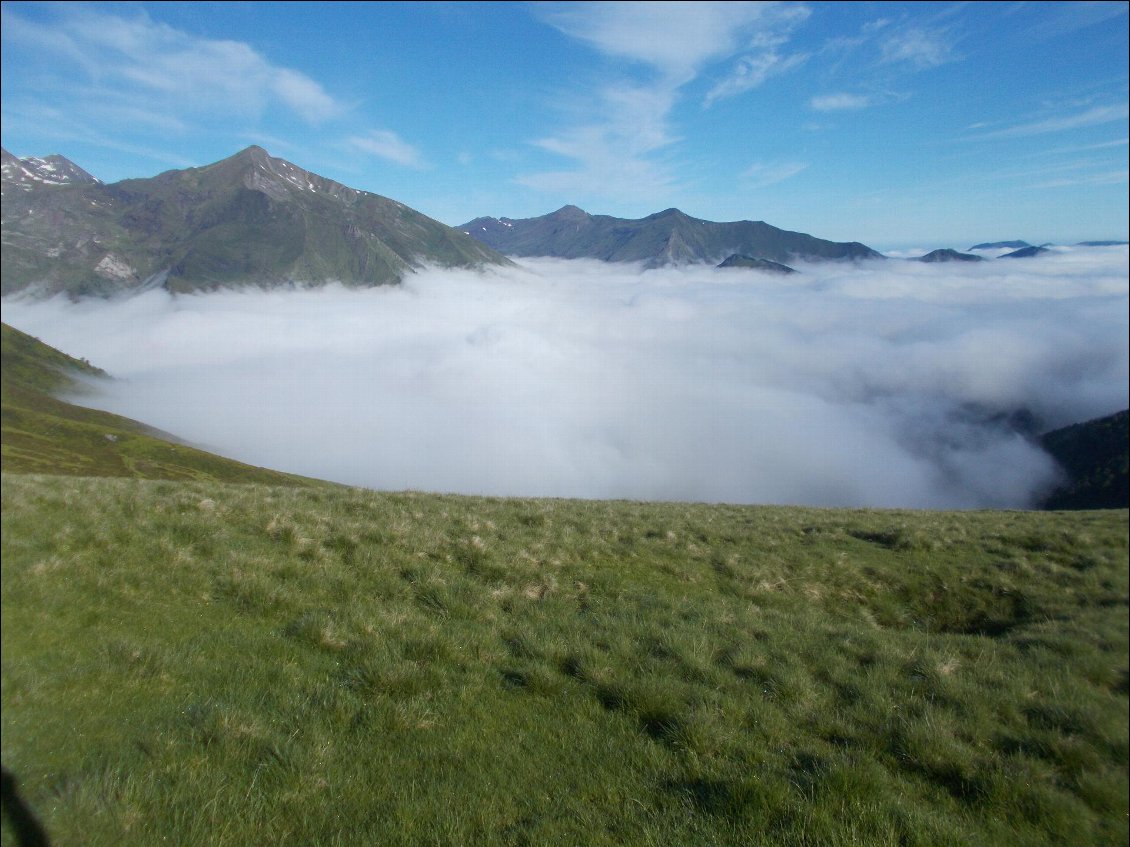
x: 1096, y: 457
x: 42, y: 434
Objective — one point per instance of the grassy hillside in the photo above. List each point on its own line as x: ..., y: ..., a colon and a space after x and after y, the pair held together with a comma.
x: 41, y: 434
x: 198, y: 663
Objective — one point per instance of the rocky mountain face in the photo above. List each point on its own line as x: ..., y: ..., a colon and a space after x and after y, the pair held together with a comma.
x: 28, y: 174
x: 665, y: 238
x: 251, y: 219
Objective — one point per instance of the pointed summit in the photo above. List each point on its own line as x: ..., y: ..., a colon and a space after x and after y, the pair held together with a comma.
x: 569, y: 213
x: 667, y: 213
x: 250, y: 219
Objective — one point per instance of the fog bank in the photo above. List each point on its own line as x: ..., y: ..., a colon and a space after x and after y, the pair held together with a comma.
x: 886, y: 384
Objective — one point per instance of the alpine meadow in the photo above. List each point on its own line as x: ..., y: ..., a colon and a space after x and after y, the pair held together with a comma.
x: 592, y: 423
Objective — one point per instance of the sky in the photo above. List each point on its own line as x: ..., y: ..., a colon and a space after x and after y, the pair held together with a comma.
x: 901, y: 125
x: 877, y: 384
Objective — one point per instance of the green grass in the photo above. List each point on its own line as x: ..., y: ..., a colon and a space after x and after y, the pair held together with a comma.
x: 200, y: 663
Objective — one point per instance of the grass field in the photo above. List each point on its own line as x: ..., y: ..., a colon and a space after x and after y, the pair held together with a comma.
x: 202, y: 663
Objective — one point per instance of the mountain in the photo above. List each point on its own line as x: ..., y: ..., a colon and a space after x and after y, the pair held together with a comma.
x: 739, y: 261
x: 948, y: 255
x: 251, y: 219
x: 1025, y: 252
x: 42, y: 434
x: 1001, y: 245
x: 1102, y: 243
x: 665, y: 238
x: 1096, y: 457
x: 32, y: 173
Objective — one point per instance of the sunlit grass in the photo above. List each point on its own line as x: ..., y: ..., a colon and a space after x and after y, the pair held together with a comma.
x: 198, y: 663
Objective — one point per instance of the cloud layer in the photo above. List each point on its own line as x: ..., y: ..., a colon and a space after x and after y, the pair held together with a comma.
x: 882, y: 385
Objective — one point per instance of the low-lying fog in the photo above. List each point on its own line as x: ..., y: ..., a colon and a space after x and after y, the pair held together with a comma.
x: 879, y: 385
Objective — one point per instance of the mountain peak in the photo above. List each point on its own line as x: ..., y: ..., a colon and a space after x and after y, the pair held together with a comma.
x: 570, y: 213
x: 667, y: 213
x: 254, y: 152
x: 34, y: 172
x: 250, y: 219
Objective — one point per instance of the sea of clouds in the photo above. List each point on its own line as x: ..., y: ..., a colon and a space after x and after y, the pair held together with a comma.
x: 885, y: 384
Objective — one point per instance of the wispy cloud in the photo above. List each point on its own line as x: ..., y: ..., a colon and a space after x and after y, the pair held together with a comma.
x: 839, y: 102
x: 613, y: 153
x: 1117, y: 177
x: 615, y: 145
x: 1091, y: 117
x: 751, y: 71
x: 761, y: 174
x: 387, y: 145
x: 131, y: 60
x: 920, y: 47
x: 674, y: 38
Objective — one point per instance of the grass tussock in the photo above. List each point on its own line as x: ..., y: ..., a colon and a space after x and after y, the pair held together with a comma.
x: 206, y: 663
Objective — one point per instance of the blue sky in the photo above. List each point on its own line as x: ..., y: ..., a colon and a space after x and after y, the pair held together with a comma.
x: 899, y: 125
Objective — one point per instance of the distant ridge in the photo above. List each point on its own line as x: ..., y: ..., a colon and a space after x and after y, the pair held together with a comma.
x: 250, y: 219
x: 1025, y: 252
x: 948, y: 255
x: 754, y: 263
x: 669, y: 237
x: 1001, y: 245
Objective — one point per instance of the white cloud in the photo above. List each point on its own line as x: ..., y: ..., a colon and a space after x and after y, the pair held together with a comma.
x: 875, y: 385
x: 675, y: 38
x: 761, y: 174
x: 922, y: 48
x: 388, y: 145
x: 1091, y: 117
x: 613, y: 153
x: 753, y: 70
x: 839, y: 102
x: 614, y: 146
x: 154, y: 67
x: 1116, y: 177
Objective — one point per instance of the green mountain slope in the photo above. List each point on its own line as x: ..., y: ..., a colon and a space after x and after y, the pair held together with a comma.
x: 42, y: 434
x: 665, y: 238
x: 1096, y: 457
x: 251, y: 219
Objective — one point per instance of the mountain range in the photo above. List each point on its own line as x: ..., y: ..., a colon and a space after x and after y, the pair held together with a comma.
x: 669, y: 237
x: 251, y: 219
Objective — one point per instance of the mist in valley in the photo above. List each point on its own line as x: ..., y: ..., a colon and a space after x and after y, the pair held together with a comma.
x: 883, y: 384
